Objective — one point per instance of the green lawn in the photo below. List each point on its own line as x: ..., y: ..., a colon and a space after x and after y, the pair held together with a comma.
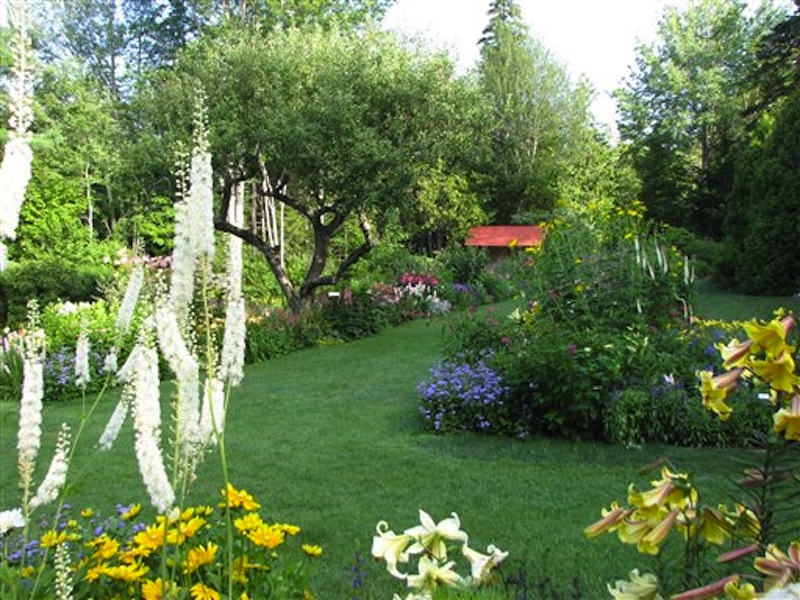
x: 716, y: 303
x: 329, y: 439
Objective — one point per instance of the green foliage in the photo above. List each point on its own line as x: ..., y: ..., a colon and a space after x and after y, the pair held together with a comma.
x: 683, y: 109
x: 48, y: 281
x: 464, y: 264
x: 356, y: 315
x: 671, y: 414
x: 764, y: 211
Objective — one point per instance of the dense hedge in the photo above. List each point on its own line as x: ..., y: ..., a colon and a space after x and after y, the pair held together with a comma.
x: 48, y: 281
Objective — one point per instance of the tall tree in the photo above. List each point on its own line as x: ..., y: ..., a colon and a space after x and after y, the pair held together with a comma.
x: 537, y: 112
x: 334, y: 125
x: 682, y: 108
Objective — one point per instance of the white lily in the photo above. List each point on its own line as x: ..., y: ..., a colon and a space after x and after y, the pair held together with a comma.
x: 432, y: 573
x: 429, y: 536
x: 482, y: 564
x: 391, y: 547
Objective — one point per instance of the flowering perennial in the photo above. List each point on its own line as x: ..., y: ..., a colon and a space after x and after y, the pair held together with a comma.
x: 430, y: 541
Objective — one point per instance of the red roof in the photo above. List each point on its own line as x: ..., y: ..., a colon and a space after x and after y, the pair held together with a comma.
x: 506, y: 235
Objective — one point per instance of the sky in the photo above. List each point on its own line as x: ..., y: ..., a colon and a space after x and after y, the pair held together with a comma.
x: 592, y: 38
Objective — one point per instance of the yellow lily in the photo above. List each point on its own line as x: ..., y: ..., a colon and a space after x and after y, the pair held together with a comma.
x: 431, y: 574
x: 736, y: 353
x: 429, y: 536
x: 778, y: 372
x: 391, y: 547
x: 715, y: 389
x: 637, y: 587
x: 771, y: 337
x: 612, y: 517
x: 482, y: 564
x: 788, y: 420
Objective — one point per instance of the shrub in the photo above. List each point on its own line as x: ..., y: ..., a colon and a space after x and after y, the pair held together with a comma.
x: 48, y: 281
x: 465, y: 264
x: 459, y: 395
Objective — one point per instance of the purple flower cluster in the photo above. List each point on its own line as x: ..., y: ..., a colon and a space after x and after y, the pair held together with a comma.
x: 458, y: 395
x: 59, y: 373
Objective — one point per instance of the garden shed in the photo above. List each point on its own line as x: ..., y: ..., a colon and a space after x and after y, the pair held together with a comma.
x: 499, y: 240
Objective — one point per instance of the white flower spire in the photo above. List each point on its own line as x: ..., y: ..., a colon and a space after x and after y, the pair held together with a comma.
x: 212, y: 418
x: 57, y: 473
x: 201, y: 186
x: 147, y: 424
x: 30, y: 413
x: 187, y: 372
x: 114, y: 425
x: 129, y: 300
x: 233, y: 342
x: 15, y: 170
x: 11, y: 519
x: 82, y: 368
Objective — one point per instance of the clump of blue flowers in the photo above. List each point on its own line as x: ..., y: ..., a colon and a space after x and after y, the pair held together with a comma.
x: 462, y: 396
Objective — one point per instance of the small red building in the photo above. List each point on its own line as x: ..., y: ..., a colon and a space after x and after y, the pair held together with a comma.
x: 499, y: 240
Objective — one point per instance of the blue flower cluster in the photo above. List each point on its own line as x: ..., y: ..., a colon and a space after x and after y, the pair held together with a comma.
x: 59, y: 373
x: 458, y: 395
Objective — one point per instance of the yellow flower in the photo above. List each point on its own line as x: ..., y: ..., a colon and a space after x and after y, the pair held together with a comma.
x: 714, y: 527
x: 778, y: 372
x: 429, y: 536
x: 779, y: 566
x: 133, y: 511
x: 788, y: 420
x: 94, y: 573
x: 715, y: 389
x: 26, y: 572
x: 127, y: 573
x: 288, y: 529
x: 105, y: 547
x: 266, y: 536
x: 637, y: 587
x: 87, y: 513
x: 235, y: 498
x: 612, y: 517
x: 156, y: 590
x: 733, y: 591
x: 53, y: 538
x: 199, y: 556
x: 650, y: 543
x: 248, y: 522
x: 772, y: 336
x: 736, y: 353
x: 312, y: 550
x: 203, y: 592
x: 149, y: 540
x: 185, y: 530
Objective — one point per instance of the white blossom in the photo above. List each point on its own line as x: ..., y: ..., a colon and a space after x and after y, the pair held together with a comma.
x: 15, y: 172
x: 791, y: 592
x: 30, y: 412
x: 233, y: 342
x: 11, y: 519
x: 110, y: 365
x: 212, y: 418
x: 130, y: 298
x: 187, y: 373
x: 147, y: 425
x: 82, y: 369
x: 64, y: 585
x: 201, y: 203
x: 57, y: 473
x: 114, y: 425
x: 181, y: 288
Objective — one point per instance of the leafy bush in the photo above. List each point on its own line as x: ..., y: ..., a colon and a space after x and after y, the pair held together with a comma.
x: 281, y: 332
x: 669, y: 414
x: 464, y: 264
x: 48, y: 281
x: 11, y: 349
x: 355, y: 315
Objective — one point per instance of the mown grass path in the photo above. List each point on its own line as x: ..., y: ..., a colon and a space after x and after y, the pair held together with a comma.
x: 330, y: 439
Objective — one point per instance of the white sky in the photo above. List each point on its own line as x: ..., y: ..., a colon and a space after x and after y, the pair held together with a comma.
x: 595, y: 38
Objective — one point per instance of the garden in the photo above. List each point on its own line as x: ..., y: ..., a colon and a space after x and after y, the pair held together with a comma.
x: 246, y: 354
